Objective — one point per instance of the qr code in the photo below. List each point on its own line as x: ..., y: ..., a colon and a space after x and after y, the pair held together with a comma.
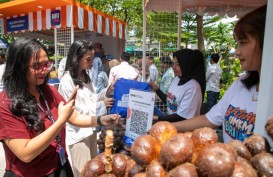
x: 139, y: 121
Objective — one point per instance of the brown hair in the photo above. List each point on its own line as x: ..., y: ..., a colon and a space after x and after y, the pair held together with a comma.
x: 252, y: 24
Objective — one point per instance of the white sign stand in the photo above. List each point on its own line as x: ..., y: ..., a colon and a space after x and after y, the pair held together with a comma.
x: 139, y: 114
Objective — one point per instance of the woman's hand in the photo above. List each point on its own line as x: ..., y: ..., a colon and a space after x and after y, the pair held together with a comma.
x: 108, y: 102
x: 153, y: 86
x: 109, y: 119
x: 111, y: 87
x: 155, y: 118
x: 65, y: 110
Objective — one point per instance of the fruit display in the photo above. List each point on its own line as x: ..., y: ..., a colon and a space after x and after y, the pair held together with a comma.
x: 269, y: 127
x: 256, y: 144
x: 164, y: 152
x: 176, y: 150
x: 145, y: 149
x: 118, y: 132
x: 241, y: 149
x: 216, y: 160
x: 162, y: 131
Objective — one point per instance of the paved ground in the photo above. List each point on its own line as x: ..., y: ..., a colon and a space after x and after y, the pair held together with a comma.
x: 2, y: 160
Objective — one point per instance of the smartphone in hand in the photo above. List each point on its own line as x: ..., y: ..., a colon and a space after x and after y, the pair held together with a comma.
x: 74, y: 94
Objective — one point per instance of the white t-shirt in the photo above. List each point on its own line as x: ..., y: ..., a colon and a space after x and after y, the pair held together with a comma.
x: 123, y: 70
x: 87, y: 102
x: 236, y: 111
x: 213, y: 76
x: 185, y: 100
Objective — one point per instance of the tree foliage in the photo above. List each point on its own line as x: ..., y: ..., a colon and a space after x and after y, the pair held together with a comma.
x: 165, y: 24
x: 2, y: 1
x: 221, y: 36
x: 129, y: 11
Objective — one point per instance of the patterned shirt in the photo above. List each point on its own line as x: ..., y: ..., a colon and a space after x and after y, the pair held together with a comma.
x: 166, y: 80
x: 153, y: 73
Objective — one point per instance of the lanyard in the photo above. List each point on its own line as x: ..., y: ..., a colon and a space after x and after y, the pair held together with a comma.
x: 47, y: 113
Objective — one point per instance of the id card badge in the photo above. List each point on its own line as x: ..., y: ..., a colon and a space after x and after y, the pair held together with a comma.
x: 61, y: 155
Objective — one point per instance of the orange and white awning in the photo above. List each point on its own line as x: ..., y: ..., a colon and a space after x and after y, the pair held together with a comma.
x: 78, y: 15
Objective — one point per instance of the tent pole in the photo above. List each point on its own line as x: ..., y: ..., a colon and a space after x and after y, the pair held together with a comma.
x: 56, y: 49
x: 159, y: 51
x: 265, y: 106
x: 72, y: 27
x: 144, y: 43
x: 2, y: 27
x: 179, y: 25
x: 72, y: 34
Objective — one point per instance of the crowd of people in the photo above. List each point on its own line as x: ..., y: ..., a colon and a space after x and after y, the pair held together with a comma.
x: 40, y: 125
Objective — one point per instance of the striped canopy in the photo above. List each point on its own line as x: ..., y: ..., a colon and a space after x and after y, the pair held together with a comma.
x: 70, y: 13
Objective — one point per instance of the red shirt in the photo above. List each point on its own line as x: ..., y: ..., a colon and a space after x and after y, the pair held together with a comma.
x: 15, y: 127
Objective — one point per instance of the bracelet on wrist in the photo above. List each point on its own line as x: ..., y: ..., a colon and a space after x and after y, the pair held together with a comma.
x: 99, y: 121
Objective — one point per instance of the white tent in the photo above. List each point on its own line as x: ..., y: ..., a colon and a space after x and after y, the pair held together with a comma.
x: 230, y: 8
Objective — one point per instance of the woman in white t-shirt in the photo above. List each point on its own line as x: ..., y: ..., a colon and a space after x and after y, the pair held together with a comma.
x: 185, y: 94
x: 236, y: 111
x: 81, y: 142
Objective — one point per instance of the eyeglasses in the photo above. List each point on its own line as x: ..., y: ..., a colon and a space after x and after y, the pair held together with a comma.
x: 40, y: 66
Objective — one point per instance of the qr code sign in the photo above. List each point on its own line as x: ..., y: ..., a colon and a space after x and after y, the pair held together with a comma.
x: 139, y: 122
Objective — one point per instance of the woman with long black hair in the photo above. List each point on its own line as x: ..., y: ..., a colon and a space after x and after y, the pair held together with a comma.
x: 33, y: 115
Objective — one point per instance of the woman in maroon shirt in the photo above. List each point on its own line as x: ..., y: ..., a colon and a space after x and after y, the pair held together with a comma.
x: 33, y: 115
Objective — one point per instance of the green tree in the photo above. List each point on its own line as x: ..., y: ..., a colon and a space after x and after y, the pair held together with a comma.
x: 129, y: 11
x: 8, y: 38
x: 221, y: 36
x: 2, y: 1
x: 160, y: 28
x: 189, y: 32
x: 200, y: 32
x: 165, y: 24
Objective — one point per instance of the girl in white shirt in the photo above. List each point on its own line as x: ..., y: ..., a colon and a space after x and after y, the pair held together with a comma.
x: 186, y: 92
x: 82, y: 141
x: 236, y: 111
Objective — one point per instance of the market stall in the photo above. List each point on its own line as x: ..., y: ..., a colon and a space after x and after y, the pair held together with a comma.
x: 63, y: 22
x: 231, y: 8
